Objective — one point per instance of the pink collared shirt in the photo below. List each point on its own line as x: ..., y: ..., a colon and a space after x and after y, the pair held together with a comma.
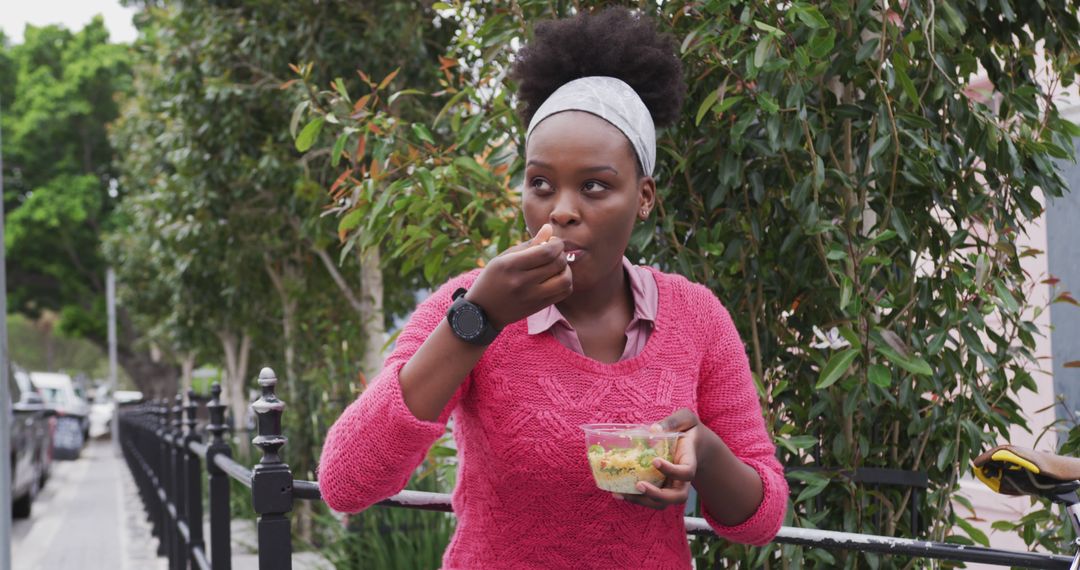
x: 645, y: 295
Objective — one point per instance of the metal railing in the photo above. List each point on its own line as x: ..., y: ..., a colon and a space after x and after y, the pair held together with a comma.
x: 165, y: 452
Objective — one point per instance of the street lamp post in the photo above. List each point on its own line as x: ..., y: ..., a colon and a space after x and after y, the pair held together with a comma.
x: 5, y: 393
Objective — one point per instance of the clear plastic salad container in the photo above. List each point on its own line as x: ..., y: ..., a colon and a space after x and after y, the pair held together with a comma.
x: 620, y: 455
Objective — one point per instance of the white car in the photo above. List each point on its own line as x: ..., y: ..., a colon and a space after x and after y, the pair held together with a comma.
x: 72, y: 412
x: 102, y: 407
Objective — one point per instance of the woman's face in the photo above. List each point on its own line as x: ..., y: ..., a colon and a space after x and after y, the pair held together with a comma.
x: 581, y: 176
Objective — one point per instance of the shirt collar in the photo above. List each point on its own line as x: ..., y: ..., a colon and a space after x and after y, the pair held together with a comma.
x: 645, y: 302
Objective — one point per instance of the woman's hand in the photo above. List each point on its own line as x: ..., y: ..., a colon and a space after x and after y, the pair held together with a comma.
x: 523, y: 279
x: 680, y: 473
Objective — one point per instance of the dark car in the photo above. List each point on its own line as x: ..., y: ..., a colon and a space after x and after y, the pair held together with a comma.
x: 31, y: 441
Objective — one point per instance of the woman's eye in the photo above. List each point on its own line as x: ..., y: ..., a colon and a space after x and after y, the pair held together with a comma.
x: 593, y: 186
x: 540, y: 186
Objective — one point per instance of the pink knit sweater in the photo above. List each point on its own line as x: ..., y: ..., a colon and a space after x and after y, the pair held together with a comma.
x: 525, y: 496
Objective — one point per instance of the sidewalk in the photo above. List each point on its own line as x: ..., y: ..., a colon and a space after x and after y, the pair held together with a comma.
x: 90, y: 516
x: 87, y: 516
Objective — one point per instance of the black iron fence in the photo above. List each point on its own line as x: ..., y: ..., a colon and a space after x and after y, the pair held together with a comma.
x: 170, y: 460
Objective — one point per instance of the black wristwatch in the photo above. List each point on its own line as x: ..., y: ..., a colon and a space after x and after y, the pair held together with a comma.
x: 469, y: 322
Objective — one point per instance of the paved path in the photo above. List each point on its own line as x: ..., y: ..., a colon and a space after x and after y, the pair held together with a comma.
x: 89, y: 516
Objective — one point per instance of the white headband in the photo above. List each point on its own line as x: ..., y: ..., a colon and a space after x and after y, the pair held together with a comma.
x: 610, y: 99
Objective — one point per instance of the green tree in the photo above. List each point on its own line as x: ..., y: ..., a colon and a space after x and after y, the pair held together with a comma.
x: 59, y: 90
x: 834, y: 169
x: 222, y: 250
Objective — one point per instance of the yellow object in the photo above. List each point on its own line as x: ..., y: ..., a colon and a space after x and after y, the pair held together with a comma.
x: 992, y: 482
x: 1015, y: 463
x: 1010, y: 457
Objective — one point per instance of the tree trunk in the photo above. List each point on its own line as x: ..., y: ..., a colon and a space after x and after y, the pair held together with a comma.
x: 368, y: 305
x: 237, y: 350
x: 187, y: 368
x: 154, y: 378
x: 371, y: 312
x: 283, y: 280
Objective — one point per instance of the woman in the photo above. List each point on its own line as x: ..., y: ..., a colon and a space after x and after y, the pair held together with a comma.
x: 562, y: 331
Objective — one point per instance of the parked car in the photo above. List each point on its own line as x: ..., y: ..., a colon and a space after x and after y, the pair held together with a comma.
x: 72, y: 412
x: 31, y: 441
x: 102, y: 407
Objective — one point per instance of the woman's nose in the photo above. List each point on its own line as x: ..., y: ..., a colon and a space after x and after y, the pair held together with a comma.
x: 565, y: 211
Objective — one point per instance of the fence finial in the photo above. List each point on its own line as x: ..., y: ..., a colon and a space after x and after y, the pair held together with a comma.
x: 268, y: 410
x: 163, y: 412
x: 177, y: 416
x: 216, y: 427
x: 192, y: 410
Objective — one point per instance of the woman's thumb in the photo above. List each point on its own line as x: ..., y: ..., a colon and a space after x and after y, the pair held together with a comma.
x: 542, y: 235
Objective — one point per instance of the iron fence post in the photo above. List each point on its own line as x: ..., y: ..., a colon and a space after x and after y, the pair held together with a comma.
x: 193, y: 511
x: 271, y: 480
x: 179, y: 560
x: 220, y: 539
x: 165, y: 538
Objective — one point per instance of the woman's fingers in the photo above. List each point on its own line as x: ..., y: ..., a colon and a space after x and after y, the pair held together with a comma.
x: 675, y: 471
x: 542, y: 235
x: 676, y: 492
x: 682, y: 420
x: 552, y: 268
x: 558, y: 286
x: 537, y: 255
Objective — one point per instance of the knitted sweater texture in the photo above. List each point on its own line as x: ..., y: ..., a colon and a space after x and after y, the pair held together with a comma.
x: 525, y: 496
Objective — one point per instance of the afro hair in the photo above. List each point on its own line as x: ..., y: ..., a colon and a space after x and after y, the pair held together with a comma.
x: 615, y: 43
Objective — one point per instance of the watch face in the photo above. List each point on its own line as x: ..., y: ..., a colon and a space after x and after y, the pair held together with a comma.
x: 467, y: 322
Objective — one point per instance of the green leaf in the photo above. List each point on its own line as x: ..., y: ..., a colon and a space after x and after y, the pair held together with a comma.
x: 297, y: 114
x: 880, y: 375
x: 899, y: 223
x: 728, y: 102
x: 882, y: 236
x: 339, y: 86
x: 835, y: 253
x: 811, y: 16
x: 1008, y: 302
x: 422, y: 133
x: 768, y: 104
x: 866, y: 50
x: 767, y: 28
x: 975, y: 534
x: 350, y: 221
x: 879, y: 146
x: 339, y: 147
x: 309, y: 134
x: 707, y: 104
x: 813, y: 489
x: 761, y: 51
x: 395, y: 95
x: 905, y: 81
x: 837, y: 366
x: 1004, y: 525
x: 802, y: 441
x: 956, y: 21
x: 822, y: 44
x: 912, y: 363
